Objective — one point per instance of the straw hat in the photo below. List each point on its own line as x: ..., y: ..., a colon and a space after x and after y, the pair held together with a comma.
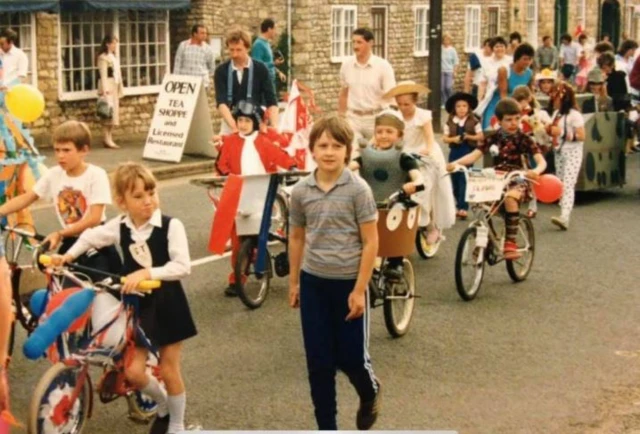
x: 546, y: 74
x: 406, y: 87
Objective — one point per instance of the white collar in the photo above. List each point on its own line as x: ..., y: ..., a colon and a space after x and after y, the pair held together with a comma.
x: 235, y: 68
x: 155, y: 221
x: 369, y: 61
x: 457, y: 120
x: 251, y: 136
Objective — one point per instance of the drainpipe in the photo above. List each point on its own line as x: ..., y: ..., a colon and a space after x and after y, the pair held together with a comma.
x: 289, y: 13
x: 599, y: 29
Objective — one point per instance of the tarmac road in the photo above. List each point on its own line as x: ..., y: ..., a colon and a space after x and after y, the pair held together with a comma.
x: 557, y: 353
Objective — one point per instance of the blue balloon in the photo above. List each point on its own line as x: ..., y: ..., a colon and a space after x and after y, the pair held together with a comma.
x: 59, y: 321
x: 38, y: 302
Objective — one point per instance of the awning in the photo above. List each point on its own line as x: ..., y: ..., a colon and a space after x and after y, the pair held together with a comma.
x: 141, y: 5
x: 29, y: 5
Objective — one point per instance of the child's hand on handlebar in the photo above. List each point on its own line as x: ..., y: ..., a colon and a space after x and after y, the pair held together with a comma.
x: 133, y: 280
x: 532, y: 175
x: 60, y: 260
x: 409, y: 188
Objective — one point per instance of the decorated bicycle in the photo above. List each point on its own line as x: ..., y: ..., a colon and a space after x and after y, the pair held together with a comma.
x: 62, y: 400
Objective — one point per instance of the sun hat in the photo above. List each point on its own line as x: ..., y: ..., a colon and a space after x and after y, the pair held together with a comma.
x: 406, y: 87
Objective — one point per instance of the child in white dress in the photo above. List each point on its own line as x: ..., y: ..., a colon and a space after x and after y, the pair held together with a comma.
x: 438, y: 207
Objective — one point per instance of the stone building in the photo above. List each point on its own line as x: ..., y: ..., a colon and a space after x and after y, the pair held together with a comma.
x: 537, y: 18
x: 62, y: 37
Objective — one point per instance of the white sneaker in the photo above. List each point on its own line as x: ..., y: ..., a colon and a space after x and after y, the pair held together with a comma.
x: 561, y: 222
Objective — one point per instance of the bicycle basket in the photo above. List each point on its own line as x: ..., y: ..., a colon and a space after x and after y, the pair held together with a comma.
x: 397, y: 228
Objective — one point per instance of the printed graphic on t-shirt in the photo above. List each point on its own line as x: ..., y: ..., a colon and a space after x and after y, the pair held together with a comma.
x: 71, y: 205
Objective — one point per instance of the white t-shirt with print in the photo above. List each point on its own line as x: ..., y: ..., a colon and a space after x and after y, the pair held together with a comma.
x: 574, y: 120
x: 72, y: 196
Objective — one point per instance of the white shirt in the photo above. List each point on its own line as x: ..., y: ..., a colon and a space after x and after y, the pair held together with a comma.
x: 240, y: 71
x: 367, y: 82
x: 250, y: 162
x: 574, y: 120
x: 73, y: 195
x: 491, y: 66
x: 15, y: 64
x: 179, y: 265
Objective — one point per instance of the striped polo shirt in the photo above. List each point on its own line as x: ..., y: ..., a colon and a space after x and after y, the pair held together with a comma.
x: 333, y: 246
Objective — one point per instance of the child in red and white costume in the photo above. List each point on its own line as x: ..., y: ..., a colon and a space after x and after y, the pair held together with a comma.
x: 248, y: 152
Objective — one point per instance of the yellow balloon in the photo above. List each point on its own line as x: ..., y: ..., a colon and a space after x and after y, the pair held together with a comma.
x: 25, y: 102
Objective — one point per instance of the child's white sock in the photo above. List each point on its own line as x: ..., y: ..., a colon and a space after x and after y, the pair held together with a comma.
x: 177, y: 405
x: 156, y: 392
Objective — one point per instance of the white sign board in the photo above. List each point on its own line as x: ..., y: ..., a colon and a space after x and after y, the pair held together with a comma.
x: 484, y: 189
x: 251, y: 206
x: 181, y: 121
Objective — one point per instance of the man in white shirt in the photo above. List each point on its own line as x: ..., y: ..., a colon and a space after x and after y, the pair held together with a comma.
x: 15, y: 63
x: 364, y: 78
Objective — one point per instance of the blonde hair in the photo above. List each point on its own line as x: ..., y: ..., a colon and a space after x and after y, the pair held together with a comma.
x: 523, y: 93
x: 73, y: 131
x: 126, y: 175
x: 237, y: 34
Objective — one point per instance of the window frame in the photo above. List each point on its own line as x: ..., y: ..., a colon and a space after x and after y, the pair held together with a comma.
x: 343, y: 8
x: 489, y: 9
x: 127, y: 91
x: 427, y: 11
x: 384, y: 8
x: 533, y: 22
x: 467, y: 47
x: 33, y: 49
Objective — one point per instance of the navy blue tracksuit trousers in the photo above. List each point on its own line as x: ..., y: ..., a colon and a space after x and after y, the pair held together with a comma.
x: 332, y: 343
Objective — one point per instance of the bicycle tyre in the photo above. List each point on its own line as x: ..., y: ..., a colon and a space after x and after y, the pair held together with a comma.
x: 12, y: 338
x: 421, y: 245
x: 519, y: 269
x: 398, y: 324
x: 252, y: 292
x: 46, y: 386
x: 468, y: 294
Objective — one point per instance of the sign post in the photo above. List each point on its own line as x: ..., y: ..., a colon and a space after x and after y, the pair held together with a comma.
x: 181, y: 122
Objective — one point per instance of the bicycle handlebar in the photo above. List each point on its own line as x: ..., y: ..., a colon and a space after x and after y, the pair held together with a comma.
x: 143, y: 286
x: 36, y: 236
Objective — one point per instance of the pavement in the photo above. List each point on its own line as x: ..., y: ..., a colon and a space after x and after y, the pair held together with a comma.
x: 131, y: 150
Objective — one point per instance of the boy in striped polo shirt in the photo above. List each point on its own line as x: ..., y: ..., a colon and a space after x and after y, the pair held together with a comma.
x: 332, y: 248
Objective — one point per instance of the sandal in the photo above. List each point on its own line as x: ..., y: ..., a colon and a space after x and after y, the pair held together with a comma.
x: 531, y: 214
x: 462, y: 214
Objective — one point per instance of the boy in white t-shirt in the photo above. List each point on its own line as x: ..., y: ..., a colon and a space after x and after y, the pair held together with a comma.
x: 79, y: 191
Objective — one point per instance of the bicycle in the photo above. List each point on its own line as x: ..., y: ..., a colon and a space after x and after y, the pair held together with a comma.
x: 397, y: 223
x: 21, y: 245
x: 62, y: 400
x: 257, y: 226
x: 483, y: 241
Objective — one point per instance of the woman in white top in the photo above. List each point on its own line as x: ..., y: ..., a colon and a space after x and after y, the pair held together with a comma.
x: 567, y: 130
x: 489, y: 84
x: 110, y: 85
x: 438, y: 208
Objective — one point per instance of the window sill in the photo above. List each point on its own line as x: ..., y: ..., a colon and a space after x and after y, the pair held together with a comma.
x: 339, y: 59
x: 420, y: 54
x: 469, y: 50
x: 93, y: 94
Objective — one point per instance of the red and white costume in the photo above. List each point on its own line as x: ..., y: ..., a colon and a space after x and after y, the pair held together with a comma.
x: 254, y: 154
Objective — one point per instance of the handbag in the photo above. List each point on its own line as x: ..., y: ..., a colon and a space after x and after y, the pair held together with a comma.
x: 103, y: 108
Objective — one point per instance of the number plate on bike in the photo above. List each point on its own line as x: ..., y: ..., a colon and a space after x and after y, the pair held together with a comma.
x: 482, y: 236
x: 482, y: 189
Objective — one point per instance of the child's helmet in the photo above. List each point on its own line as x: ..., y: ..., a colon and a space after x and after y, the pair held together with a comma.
x: 250, y: 110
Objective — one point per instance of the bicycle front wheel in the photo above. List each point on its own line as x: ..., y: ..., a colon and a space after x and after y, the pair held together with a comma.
x: 53, y: 409
x: 520, y: 268
x: 399, y: 301
x: 425, y: 250
x: 252, y: 287
x: 469, y: 267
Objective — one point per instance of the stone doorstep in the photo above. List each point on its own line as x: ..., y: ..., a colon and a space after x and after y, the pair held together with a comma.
x: 177, y: 170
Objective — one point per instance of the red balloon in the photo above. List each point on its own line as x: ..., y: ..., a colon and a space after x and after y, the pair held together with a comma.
x: 548, y: 188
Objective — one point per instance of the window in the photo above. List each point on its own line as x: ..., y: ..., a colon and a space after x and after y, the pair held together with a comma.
x: 581, y: 14
x: 24, y: 24
x: 143, y: 50
x: 421, y: 34
x: 632, y: 22
x: 531, y: 18
x: 343, y: 23
x: 472, y: 28
x: 493, y: 16
x: 379, y: 27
